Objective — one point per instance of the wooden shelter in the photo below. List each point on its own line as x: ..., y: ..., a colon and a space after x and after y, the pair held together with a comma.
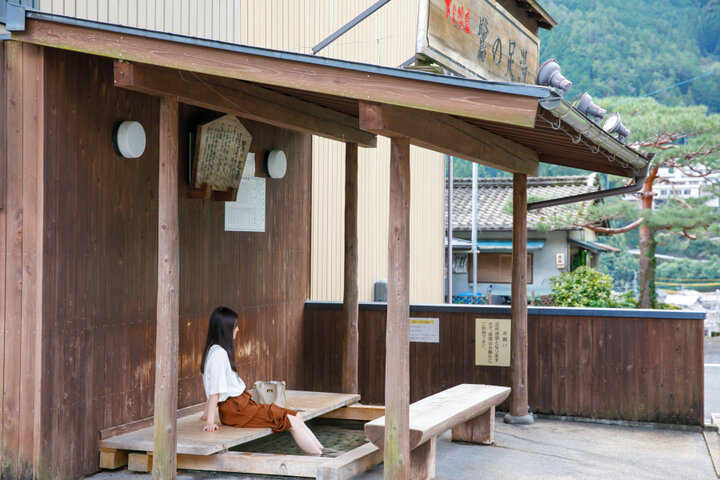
x: 110, y: 269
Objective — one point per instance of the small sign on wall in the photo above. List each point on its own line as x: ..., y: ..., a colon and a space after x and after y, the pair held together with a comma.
x: 247, y: 212
x: 425, y: 330
x: 492, y: 342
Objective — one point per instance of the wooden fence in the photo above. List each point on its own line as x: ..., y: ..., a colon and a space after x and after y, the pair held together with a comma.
x: 640, y: 365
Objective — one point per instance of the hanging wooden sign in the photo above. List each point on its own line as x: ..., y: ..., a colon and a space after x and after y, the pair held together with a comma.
x: 477, y: 38
x: 221, y: 148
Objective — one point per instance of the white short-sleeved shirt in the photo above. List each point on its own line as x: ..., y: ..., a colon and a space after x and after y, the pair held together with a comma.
x: 219, y: 377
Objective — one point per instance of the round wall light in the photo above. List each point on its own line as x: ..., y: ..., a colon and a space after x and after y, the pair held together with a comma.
x: 129, y: 139
x: 276, y: 164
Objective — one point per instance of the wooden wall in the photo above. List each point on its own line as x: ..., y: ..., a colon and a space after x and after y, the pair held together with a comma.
x: 100, y: 261
x: 21, y: 90
x: 600, y: 366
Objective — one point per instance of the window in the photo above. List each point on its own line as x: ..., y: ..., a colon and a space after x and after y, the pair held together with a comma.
x: 496, y: 268
x: 686, y: 192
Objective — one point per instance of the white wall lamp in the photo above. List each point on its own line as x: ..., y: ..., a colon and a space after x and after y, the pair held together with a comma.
x: 276, y: 164
x: 129, y: 139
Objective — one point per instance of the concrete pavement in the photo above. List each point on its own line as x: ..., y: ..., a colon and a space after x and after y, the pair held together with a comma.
x: 712, y: 376
x: 550, y: 449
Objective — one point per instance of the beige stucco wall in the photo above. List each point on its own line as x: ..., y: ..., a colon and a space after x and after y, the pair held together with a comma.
x: 386, y: 38
x: 213, y: 19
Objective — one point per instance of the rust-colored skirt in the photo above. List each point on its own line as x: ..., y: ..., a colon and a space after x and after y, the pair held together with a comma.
x: 241, y: 411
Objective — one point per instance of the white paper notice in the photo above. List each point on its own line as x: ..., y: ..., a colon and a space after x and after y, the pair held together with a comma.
x: 247, y: 213
x: 492, y: 342
x: 425, y: 330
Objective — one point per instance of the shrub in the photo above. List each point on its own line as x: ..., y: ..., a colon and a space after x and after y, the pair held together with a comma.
x: 583, y: 287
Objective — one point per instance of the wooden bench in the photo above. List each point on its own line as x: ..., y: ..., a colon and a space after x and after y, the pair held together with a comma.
x: 469, y: 410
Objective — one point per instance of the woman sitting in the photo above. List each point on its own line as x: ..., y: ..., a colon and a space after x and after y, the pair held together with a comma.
x: 225, y: 390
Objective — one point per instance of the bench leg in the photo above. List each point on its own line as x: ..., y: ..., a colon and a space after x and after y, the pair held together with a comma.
x: 422, y: 460
x: 480, y: 429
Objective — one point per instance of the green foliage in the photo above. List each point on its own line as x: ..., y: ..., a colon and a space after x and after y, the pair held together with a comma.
x: 702, y: 275
x: 583, y: 287
x: 621, y: 266
x: 647, y: 119
x: 634, y: 47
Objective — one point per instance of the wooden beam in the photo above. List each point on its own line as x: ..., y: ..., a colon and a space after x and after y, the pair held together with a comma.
x: 12, y: 220
x: 112, y: 459
x: 274, y: 70
x: 356, y: 412
x: 450, y: 135
x: 22, y: 228
x: 350, y: 285
x: 33, y: 220
x: 168, y: 307
x: 141, y: 462
x: 397, y: 365
x: 350, y: 464
x: 242, y: 99
x: 518, y: 301
x: 253, y: 463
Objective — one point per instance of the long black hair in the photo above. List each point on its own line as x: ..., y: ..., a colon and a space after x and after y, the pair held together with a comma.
x: 220, y: 330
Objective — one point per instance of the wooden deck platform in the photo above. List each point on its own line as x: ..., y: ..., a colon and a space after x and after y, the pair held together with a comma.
x: 192, y: 440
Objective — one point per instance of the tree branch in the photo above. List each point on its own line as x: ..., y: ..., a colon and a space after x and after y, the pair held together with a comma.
x: 611, y: 231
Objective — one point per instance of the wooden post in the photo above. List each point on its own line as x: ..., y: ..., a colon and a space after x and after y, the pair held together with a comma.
x: 518, y: 308
x: 168, y: 307
x: 397, y: 370
x: 21, y: 271
x: 350, y: 288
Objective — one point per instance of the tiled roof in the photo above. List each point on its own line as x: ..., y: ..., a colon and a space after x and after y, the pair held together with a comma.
x: 494, y: 193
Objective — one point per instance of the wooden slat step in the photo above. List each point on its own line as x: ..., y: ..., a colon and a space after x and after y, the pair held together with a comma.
x: 356, y: 412
x: 193, y: 441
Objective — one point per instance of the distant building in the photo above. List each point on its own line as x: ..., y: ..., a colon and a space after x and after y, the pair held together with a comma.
x: 674, y: 183
x: 559, y: 246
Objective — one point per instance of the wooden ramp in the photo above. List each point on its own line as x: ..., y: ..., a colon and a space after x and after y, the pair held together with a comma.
x: 192, y: 440
x: 132, y: 444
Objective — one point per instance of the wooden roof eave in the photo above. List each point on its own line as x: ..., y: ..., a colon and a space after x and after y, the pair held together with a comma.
x: 564, y: 112
x: 506, y: 103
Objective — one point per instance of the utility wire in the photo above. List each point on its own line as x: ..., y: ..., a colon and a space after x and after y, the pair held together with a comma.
x: 666, y: 88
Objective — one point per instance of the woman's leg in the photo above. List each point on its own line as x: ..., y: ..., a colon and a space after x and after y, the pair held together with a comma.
x: 303, y: 436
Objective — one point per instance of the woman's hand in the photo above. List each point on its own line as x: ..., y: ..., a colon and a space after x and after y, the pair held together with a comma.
x: 203, y: 417
x: 210, y: 427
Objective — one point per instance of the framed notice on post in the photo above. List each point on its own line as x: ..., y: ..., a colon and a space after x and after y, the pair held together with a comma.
x: 492, y: 342
x: 425, y: 330
x: 477, y: 38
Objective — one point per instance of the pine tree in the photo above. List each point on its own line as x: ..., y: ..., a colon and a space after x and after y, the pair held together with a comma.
x: 686, y: 138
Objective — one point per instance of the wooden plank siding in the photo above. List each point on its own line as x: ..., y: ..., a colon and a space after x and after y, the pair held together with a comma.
x: 21, y: 244
x: 621, y: 368
x: 100, y: 257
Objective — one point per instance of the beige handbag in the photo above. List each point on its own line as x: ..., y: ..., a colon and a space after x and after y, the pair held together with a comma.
x: 269, y: 392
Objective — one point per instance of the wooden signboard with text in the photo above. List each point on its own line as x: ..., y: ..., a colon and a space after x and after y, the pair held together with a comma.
x: 477, y: 38
x: 221, y: 148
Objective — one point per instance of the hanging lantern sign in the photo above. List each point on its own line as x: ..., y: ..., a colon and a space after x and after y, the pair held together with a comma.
x: 221, y: 148
x: 477, y: 39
